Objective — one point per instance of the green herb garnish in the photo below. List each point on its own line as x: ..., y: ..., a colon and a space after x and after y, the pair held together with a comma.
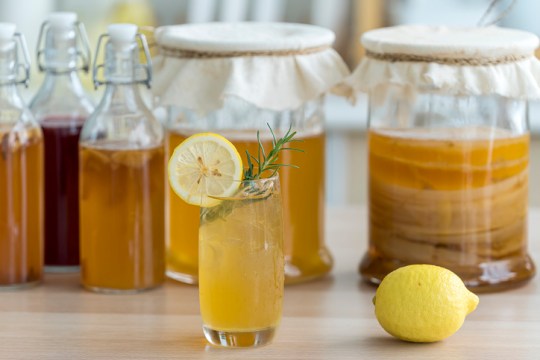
x: 257, y: 166
x: 267, y: 162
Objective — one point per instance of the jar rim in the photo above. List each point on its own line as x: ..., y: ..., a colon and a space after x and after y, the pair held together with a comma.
x: 450, y: 42
x: 244, y: 37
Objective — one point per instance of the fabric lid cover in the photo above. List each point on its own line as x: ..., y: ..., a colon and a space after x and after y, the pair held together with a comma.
x: 275, y: 66
x: 455, y: 61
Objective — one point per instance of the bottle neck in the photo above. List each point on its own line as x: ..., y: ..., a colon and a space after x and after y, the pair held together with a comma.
x: 123, y: 97
x: 61, y: 93
x: 9, y: 90
x: 60, y: 53
x: 8, y: 65
x: 122, y: 89
x: 9, y: 94
x: 63, y: 82
x: 121, y: 65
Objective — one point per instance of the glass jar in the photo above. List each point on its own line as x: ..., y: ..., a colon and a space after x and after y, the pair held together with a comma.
x: 230, y: 87
x: 21, y: 171
x: 61, y: 106
x: 122, y: 176
x: 448, y: 165
x: 306, y: 254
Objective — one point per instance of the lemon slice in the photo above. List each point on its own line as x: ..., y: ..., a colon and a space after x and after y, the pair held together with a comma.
x: 204, y: 166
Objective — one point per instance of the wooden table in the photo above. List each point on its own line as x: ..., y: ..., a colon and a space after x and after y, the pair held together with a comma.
x: 327, y: 319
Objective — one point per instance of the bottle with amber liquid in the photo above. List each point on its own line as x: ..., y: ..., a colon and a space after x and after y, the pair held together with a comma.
x: 61, y: 106
x: 21, y: 171
x: 122, y: 175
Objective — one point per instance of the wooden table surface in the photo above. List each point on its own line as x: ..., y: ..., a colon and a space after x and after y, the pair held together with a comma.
x: 327, y: 319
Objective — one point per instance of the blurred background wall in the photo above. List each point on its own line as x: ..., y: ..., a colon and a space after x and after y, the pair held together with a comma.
x: 346, y: 124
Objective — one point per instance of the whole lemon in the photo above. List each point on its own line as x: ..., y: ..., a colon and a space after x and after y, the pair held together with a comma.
x: 423, y: 303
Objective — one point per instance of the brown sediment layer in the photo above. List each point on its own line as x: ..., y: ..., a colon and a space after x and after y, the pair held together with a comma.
x: 449, y: 213
x: 456, y: 202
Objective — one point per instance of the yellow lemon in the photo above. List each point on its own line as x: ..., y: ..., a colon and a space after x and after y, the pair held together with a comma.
x: 423, y: 303
x: 204, y: 167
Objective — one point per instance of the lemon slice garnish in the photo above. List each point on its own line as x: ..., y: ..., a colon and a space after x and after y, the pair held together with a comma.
x: 204, y: 167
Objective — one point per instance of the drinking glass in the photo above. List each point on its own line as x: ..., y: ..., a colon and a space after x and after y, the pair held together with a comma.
x: 241, y: 265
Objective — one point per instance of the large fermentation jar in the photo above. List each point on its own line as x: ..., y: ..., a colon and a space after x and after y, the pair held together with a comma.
x: 237, y: 79
x: 449, y: 151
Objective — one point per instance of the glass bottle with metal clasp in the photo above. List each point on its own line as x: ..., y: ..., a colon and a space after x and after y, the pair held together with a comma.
x: 61, y: 106
x: 122, y: 174
x: 21, y: 171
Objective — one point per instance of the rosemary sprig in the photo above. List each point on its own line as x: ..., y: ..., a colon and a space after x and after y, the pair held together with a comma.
x: 257, y: 166
x: 268, y: 162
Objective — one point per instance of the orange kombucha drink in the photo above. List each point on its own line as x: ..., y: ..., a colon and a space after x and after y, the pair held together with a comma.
x: 122, y: 218
x: 21, y: 207
x: 451, y: 197
x: 241, y: 271
x: 306, y: 256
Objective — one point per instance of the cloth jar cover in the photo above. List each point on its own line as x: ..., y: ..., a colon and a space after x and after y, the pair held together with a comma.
x: 453, y: 61
x: 275, y: 66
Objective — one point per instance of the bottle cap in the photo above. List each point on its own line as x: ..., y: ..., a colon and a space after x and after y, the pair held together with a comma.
x: 122, y: 36
x: 62, y: 19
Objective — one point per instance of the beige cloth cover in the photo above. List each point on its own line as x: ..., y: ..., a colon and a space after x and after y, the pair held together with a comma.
x: 275, y: 66
x: 454, y: 61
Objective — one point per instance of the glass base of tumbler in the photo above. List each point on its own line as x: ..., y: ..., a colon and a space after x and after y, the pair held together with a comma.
x: 238, y: 338
x: 58, y: 269
x: 19, y: 286
x: 484, y: 277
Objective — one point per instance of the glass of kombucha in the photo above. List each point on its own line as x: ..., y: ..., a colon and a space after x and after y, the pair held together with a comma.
x: 241, y: 265
x: 122, y: 178
x: 21, y: 174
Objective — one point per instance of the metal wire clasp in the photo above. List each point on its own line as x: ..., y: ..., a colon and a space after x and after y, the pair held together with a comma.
x: 19, y: 38
x: 80, y: 32
x: 146, y: 66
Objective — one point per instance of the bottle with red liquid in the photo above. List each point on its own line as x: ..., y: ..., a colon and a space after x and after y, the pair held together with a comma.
x: 61, y: 106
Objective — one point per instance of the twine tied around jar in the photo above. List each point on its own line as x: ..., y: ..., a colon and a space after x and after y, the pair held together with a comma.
x: 395, y: 57
x: 196, y: 54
